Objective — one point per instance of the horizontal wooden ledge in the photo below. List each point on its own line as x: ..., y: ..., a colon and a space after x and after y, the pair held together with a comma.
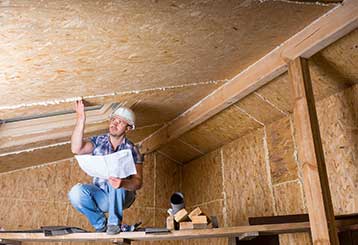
x: 175, y: 235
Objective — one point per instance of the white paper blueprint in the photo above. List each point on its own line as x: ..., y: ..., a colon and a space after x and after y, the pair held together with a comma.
x: 119, y: 164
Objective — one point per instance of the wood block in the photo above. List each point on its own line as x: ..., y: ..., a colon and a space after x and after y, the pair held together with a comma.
x: 195, y: 212
x: 186, y: 225
x: 181, y: 215
x: 201, y: 219
x: 200, y: 226
x: 170, y: 223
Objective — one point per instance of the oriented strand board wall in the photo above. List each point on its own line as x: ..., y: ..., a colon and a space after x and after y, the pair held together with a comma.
x: 259, y: 173
x: 36, y: 197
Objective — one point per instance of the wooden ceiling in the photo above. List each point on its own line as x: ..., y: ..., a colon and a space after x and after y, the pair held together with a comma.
x: 158, y: 57
x: 273, y: 101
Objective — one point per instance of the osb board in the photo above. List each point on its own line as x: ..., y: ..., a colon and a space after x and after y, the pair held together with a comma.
x: 338, y: 119
x: 180, y: 150
x: 342, y: 56
x: 278, y: 92
x: 36, y: 157
x: 146, y: 103
x: 7, y: 220
x: 283, y: 166
x: 34, y: 214
x: 47, y: 183
x: 325, y: 79
x: 145, y: 195
x: 167, y: 180
x: 296, y: 238
x: 160, y: 217
x: 220, y: 129
x: 260, y: 109
x: 49, y: 48
x: 134, y: 215
x: 202, y: 180
x: 289, y: 198
x: 245, y: 171
x: 141, y: 133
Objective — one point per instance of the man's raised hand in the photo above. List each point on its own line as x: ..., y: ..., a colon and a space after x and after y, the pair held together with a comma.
x: 80, y: 110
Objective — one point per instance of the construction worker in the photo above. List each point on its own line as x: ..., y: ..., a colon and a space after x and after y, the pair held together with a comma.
x: 112, y: 195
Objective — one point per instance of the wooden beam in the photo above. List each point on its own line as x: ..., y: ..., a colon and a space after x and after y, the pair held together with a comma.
x: 318, y: 35
x: 174, y: 235
x: 311, y: 156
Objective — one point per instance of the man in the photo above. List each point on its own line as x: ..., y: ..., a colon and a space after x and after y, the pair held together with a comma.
x: 112, y: 195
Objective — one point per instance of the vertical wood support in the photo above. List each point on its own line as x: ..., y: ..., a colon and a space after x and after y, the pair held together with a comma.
x: 311, y: 156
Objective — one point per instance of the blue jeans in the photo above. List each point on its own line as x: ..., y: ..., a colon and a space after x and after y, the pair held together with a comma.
x: 94, y: 202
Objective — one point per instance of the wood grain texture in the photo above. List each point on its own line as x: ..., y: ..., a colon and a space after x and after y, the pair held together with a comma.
x: 145, y: 195
x: 220, y: 129
x: 33, y: 158
x: 180, y: 150
x: 167, y: 181
x: 260, y: 109
x: 202, y: 180
x: 67, y: 49
x: 311, y: 155
x: 281, y: 151
x: 245, y: 180
x: 338, y: 118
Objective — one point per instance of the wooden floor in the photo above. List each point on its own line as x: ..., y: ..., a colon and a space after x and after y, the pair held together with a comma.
x: 174, y: 235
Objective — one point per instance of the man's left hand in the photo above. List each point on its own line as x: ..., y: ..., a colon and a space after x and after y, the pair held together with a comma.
x: 115, y: 182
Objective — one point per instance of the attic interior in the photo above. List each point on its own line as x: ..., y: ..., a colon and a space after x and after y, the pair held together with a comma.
x: 164, y: 59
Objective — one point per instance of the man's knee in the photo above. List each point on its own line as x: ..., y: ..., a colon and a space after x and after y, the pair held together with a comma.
x: 77, y: 194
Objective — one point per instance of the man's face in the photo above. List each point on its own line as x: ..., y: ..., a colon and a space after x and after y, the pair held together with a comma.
x: 117, y: 126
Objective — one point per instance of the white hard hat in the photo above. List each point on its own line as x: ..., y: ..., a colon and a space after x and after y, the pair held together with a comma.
x: 125, y: 113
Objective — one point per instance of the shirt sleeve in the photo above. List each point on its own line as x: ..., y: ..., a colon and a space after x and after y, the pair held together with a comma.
x: 137, y: 157
x: 93, y: 140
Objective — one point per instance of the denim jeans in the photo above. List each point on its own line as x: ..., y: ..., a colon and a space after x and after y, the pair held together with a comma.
x: 94, y: 202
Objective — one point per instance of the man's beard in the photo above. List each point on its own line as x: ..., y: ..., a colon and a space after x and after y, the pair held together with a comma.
x: 118, y: 135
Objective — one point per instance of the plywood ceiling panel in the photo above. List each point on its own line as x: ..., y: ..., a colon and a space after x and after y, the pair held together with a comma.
x: 59, y: 50
x: 31, y: 158
x: 342, y: 57
x: 278, y: 92
x: 259, y: 108
x: 220, y: 129
x: 180, y: 151
x: 169, y: 101
x: 140, y: 133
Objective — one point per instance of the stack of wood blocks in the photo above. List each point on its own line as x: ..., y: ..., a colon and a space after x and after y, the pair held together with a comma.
x: 183, y: 220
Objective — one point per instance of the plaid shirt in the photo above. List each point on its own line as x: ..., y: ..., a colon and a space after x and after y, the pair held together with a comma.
x: 103, y: 146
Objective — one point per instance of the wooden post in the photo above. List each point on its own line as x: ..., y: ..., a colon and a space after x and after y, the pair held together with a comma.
x: 310, y: 154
